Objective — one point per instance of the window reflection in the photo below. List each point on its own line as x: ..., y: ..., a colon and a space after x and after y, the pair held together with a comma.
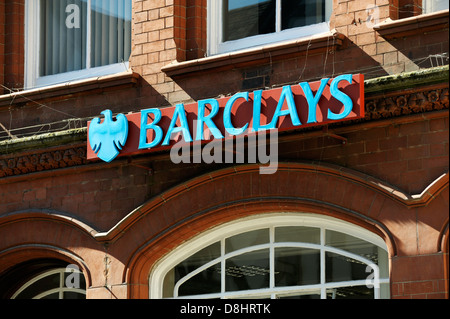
x: 248, y: 271
x: 299, y: 234
x: 243, y: 19
x: 356, y: 292
x: 301, y: 13
x: 296, y: 266
x: 52, y: 284
x: 281, y: 259
x: 207, y: 281
x: 253, y: 238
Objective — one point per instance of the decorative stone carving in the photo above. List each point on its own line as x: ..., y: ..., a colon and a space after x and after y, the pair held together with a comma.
x: 410, y: 103
x: 11, y: 165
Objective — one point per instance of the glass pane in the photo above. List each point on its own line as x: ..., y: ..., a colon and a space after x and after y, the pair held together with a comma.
x: 54, y: 295
x: 352, y: 244
x: 248, y: 271
x: 305, y: 296
x: 110, y: 32
x: 40, y: 286
x: 73, y: 295
x: 342, y: 268
x: 248, y: 239
x: 197, y: 260
x: 62, y: 36
x: 207, y: 281
x: 169, y: 284
x: 242, y: 19
x: 356, y: 292
x: 296, y: 13
x: 435, y: 5
x: 296, y: 266
x: 299, y: 234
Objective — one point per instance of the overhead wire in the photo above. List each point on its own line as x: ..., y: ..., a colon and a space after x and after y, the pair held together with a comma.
x: 40, y: 127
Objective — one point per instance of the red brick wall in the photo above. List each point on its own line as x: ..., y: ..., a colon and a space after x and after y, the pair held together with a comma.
x: 409, y: 156
x: 396, y: 154
x: 400, y: 9
x: 99, y: 197
x: 12, y: 45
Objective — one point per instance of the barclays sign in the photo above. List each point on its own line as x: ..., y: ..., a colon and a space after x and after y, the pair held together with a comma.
x: 245, y: 113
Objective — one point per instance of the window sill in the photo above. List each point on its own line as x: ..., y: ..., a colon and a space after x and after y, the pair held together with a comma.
x: 74, y: 87
x: 391, y: 29
x: 258, y: 55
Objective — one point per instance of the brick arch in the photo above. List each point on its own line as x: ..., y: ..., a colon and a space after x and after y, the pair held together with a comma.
x: 185, y: 211
x: 20, y: 254
x: 149, y: 257
x: 43, y: 234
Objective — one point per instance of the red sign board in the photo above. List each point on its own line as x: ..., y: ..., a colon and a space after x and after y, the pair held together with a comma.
x: 285, y: 108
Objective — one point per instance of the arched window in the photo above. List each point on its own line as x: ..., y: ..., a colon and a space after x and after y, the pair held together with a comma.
x: 278, y: 256
x: 58, y: 283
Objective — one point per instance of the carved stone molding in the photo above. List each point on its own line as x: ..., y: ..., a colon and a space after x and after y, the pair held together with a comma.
x: 11, y: 165
x: 405, y: 104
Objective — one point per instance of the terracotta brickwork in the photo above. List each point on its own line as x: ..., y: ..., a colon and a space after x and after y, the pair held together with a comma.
x: 11, y: 44
x: 117, y: 220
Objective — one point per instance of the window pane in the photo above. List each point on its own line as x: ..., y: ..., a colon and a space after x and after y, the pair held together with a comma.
x: 207, y: 278
x: 301, y: 296
x: 342, y: 268
x: 356, y: 292
x: 295, y: 13
x: 354, y: 245
x: 299, y: 234
x: 73, y: 295
x: 62, y: 36
x: 435, y: 5
x: 110, y: 32
x: 52, y: 296
x: 44, y: 284
x: 197, y: 260
x: 252, y: 238
x: 296, y: 266
x: 247, y: 271
x: 242, y: 19
x: 205, y: 282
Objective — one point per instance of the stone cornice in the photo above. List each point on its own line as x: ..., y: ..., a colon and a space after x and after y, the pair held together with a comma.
x: 83, y: 86
x: 390, y: 29
x: 264, y: 54
x: 41, y: 141
x: 42, y: 160
x: 407, y: 93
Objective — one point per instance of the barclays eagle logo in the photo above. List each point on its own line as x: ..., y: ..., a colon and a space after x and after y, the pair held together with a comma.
x: 108, y: 138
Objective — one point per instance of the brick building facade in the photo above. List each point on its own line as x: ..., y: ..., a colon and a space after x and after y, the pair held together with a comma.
x: 133, y: 225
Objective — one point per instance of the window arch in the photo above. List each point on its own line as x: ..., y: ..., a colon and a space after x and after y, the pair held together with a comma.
x: 286, y: 255
x: 57, y: 283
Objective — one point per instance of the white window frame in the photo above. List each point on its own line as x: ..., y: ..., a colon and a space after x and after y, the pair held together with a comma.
x: 215, y: 30
x: 32, y: 54
x: 167, y: 263
x: 60, y: 290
